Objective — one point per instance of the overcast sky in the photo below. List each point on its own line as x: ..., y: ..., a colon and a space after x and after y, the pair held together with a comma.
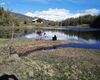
x: 53, y: 9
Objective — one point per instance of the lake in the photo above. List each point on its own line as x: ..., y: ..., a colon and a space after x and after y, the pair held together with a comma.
x: 88, y: 38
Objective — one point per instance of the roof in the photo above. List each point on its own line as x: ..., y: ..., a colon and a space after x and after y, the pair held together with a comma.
x: 35, y: 19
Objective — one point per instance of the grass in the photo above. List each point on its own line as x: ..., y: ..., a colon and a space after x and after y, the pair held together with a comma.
x: 53, y: 65
x: 3, y: 42
x: 24, y: 47
x: 59, y: 64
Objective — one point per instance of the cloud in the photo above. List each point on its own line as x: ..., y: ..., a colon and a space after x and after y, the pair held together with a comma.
x: 2, y: 3
x: 60, y: 14
x: 92, y: 11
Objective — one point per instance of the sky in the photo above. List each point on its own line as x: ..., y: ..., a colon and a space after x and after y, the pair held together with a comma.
x: 55, y: 10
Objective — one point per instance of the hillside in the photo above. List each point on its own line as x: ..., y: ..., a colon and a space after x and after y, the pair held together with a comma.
x: 23, y: 17
x: 8, y: 17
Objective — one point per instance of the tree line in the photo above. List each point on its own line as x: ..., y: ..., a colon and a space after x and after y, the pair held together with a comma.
x: 87, y: 20
x: 92, y: 21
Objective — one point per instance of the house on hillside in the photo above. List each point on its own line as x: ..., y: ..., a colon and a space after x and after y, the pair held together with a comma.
x: 37, y: 20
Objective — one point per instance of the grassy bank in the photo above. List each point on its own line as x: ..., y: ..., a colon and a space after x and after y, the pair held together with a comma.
x: 58, y: 64
x: 24, y: 47
x: 3, y: 42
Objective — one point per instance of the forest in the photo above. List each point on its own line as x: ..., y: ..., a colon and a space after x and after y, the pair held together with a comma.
x: 92, y: 21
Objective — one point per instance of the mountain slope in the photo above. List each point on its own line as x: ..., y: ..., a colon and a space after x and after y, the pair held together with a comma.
x: 23, y: 17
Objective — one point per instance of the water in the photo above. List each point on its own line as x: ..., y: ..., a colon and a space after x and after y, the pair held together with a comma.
x: 88, y: 38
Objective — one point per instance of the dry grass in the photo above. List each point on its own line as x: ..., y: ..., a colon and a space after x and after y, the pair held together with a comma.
x: 26, y: 47
x: 58, y: 64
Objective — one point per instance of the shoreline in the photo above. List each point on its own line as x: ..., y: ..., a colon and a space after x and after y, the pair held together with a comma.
x: 26, y: 48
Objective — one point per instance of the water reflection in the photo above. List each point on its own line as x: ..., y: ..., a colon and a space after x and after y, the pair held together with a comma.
x: 84, y: 36
x: 80, y: 34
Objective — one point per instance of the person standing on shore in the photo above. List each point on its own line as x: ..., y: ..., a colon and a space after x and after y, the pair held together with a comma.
x: 39, y: 35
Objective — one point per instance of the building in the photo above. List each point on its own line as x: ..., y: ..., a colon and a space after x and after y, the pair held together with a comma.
x: 37, y: 20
